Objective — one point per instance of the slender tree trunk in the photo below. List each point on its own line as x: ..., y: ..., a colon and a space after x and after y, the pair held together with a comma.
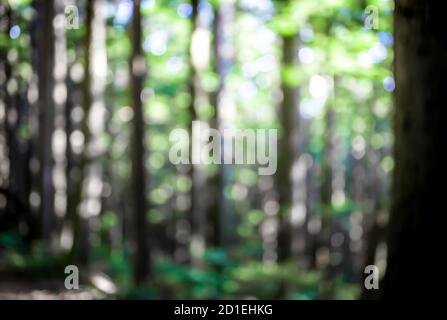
x: 214, y: 182
x: 327, y: 170
x: 85, y: 196
x: 36, y: 32
x: 414, y: 244
x: 46, y: 123
x: 12, y: 114
x: 59, y: 135
x: 332, y: 181
x: 139, y: 176
x: 197, y: 209
x: 192, y: 112
x: 80, y: 249
x: 288, y: 120
x: 4, y: 161
x: 300, y: 211
x: 95, y: 148
x: 224, y: 217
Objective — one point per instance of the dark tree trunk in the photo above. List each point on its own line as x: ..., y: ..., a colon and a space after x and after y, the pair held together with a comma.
x: 420, y: 135
x: 193, y: 116
x: 330, y: 170
x: 80, y: 250
x: 197, y: 210
x: 139, y: 177
x: 214, y: 182
x: 286, y: 148
x: 46, y: 123
x: 36, y: 31
x: 222, y: 212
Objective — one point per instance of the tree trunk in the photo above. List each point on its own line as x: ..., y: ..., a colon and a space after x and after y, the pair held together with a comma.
x: 288, y: 110
x: 197, y: 211
x: 223, y: 215
x: 59, y: 135
x: 139, y: 177
x: 46, y: 123
x: 80, y: 249
x: 332, y: 182
x: 36, y: 31
x: 420, y: 134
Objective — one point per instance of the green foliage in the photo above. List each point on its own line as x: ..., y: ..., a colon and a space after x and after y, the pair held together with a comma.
x: 350, y: 62
x: 37, y: 264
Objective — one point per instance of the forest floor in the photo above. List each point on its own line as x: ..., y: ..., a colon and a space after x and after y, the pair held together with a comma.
x: 16, y: 288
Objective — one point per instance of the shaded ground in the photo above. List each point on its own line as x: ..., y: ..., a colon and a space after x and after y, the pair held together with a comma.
x: 13, y: 287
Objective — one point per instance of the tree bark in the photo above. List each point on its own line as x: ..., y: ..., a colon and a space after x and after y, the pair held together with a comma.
x: 197, y: 211
x: 139, y: 177
x: 287, y: 116
x: 420, y: 134
x: 223, y: 216
x: 46, y: 124
x: 80, y: 250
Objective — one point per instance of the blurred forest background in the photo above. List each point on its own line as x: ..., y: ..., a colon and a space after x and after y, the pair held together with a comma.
x: 85, y: 117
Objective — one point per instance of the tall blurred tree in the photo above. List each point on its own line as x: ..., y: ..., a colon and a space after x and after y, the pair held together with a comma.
x: 288, y: 109
x: 80, y: 249
x: 222, y: 100
x: 327, y: 184
x: 86, y: 200
x: 138, y: 154
x: 59, y: 136
x: 192, y: 91
x: 15, y: 185
x: 420, y: 133
x: 196, y: 174
x: 46, y: 116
